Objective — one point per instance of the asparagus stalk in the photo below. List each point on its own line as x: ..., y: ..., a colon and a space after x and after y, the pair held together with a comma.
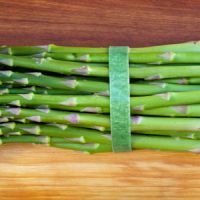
x: 177, y: 134
x: 174, y: 111
x: 9, y: 89
x: 75, y: 68
x: 73, y: 134
x: 86, y: 148
x: 165, y: 99
x: 149, y: 58
x: 101, y: 122
x: 181, y: 81
x: 51, y: 65
x: 93, y: 101
x: 67, y: 83
x: 94, y: 121
x: 3, y: 119
x: 56, y: 142
x: 75, y: 85
x: 29, y: 50
x: 182, y: 47
x: 25, y: 139
x: 165, y: 84
x: 138, y: 142
x: 79, y: 135
x: 85, y: 101
x: 22, y: 50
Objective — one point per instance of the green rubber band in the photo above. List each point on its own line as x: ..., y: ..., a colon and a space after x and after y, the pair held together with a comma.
x: 119, y: 98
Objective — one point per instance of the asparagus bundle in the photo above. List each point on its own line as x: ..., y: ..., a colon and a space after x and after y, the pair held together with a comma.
x: 59, y: 96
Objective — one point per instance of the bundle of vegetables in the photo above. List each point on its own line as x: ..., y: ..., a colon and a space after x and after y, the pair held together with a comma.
x: 59, y: 96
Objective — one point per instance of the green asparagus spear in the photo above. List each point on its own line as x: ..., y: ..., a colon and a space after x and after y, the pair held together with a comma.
x: 138, y: 142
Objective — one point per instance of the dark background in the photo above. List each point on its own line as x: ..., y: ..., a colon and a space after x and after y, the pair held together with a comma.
x: 99, y: 22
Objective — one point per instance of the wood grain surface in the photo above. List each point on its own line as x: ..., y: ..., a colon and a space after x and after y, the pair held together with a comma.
x: 37, y: 172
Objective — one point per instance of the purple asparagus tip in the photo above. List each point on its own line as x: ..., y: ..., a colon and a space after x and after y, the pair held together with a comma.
x: 72, y: 118
x: 136, y: 119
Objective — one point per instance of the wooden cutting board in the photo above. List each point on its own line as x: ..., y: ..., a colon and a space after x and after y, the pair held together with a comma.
x: 37, y: 172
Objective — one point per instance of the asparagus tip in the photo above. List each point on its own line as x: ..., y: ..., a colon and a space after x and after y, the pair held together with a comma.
x: 10, y: 125
x: 181, y: 109
x: 4, y: 91
x: 33, y: 130
x: 5, y: 50
x: 168, y: 55
x: 165, y: 96
x: 84, y: 70
x: 84, y: 57
x: 14, y: 111
x: 71, y: 83
x: 15, y: 103
x: 3, y: 119
x: 92, y: 109
x: 6, y: 61
x: 138, y: 108
x: 72, y: 118
x: 7, y: 73
x: 37, y: 74
x: 99, y: 128
x: 23, y: 81
x: 28, y: 96
x: 34, y: 118
x: 44, y: 47
x: 137, y: 119
x: 196, y: 150
x: 154, y: 77
x: 69, y: 102
x: 61, y: 126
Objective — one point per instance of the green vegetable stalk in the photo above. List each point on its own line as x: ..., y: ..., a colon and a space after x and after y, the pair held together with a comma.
x: 59, y: 96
